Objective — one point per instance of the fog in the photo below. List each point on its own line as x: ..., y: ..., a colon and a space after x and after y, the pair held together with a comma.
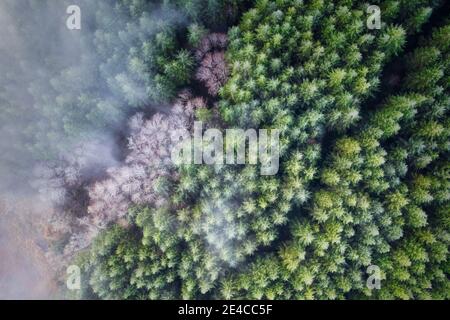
x: 59, y: 123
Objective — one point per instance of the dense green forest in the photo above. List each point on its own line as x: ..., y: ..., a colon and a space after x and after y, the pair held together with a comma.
x: 364, y: 177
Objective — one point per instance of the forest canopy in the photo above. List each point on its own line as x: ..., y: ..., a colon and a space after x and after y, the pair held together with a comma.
x: 363, y: 181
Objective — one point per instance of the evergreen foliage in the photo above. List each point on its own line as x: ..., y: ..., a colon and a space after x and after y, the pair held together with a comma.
x: 357, y: 186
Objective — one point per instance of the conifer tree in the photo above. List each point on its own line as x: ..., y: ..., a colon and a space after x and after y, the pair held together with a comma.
x: 358, y: 185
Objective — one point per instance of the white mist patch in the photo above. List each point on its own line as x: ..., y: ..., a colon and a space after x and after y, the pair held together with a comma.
x: 63, y: 95
x: 220, y: 231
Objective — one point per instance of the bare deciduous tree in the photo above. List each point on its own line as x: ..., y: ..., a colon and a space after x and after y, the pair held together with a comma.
x: 213, y: 70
